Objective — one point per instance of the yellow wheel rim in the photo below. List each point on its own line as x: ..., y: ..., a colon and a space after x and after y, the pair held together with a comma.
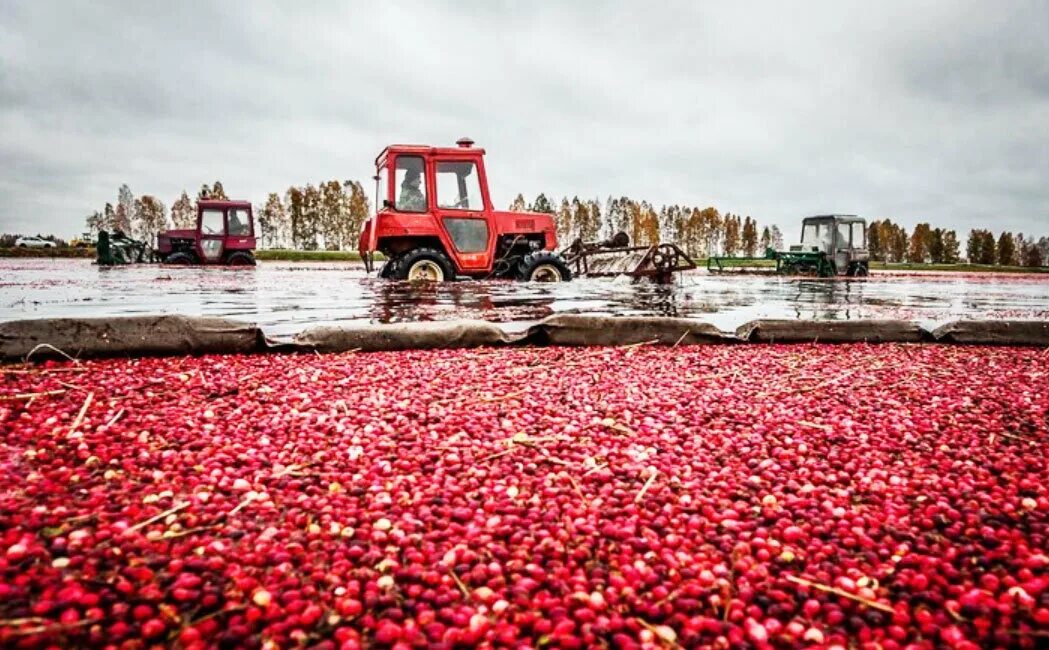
x: 426, y: 271
x: 546, y: 273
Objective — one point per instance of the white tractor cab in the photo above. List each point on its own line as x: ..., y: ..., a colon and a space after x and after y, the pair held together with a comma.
x: 830, y: 245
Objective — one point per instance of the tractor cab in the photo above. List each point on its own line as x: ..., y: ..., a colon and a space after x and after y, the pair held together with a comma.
x: 840, y: 242
x: 435, y: 221
x: 224, y: 234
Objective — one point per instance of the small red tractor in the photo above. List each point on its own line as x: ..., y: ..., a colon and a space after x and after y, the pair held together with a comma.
x: 435, y: 221
x: 224, y: 234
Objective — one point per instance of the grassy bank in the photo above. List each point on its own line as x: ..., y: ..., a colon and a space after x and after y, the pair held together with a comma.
x: 964, y: 268
x: 310, y: 256
x: 65, y: 251
x: 730, y: 263
x: 271, y: 255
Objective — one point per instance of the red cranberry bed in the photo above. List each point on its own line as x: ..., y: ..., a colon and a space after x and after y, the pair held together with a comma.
x: 891, y: 496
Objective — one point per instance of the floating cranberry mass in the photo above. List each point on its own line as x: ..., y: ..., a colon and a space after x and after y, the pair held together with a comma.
x: 892, y: 496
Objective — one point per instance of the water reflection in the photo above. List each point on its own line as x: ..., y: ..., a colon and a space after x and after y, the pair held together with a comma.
x: 284, y: 298
x: 393, y: 302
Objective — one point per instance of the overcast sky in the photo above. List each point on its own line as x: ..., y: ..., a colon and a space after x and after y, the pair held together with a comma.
x: 933, y: 111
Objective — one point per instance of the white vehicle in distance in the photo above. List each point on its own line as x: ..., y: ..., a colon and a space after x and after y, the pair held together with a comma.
x: 34, y: 242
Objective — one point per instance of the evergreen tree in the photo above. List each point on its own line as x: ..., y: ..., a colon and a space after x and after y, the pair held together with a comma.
x: 766, y: 239
x: 988, y: 250
x: 951, y: 253
x: 541, y: 204
x: 1043, y: 249
x: 936, y: 249
x: 972, y: 247
x: 1032, y: 255
x: 1006, y: 249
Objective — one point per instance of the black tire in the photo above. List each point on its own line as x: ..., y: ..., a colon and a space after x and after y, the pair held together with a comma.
x: 241, y: 258
x: 856, y: 270
x: 386, y: 272
x: 544, y: 266
x: 423, y: 260
x: 23, y: 246
x: 181, y: 259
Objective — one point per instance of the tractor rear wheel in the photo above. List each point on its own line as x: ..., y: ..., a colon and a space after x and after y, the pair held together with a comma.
x: 859, y: 270
x: 423, y: 265
x: 544, y: 266
x: 241, y: 258
x: 180, y: 259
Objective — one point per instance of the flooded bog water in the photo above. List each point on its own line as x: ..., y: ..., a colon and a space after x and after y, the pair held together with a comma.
x: 285, y: 297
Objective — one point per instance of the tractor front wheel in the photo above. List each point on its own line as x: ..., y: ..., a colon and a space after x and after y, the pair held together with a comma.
x: 423, y: 265
x: 544, y: 266
x: 386, y: 272
x: 181, y: 259
x: 241, y: 258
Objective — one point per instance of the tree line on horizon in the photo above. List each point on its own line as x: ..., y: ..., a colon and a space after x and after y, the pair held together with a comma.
x: 699, y: 231
x: 330, y: 215
x: 889, y: 242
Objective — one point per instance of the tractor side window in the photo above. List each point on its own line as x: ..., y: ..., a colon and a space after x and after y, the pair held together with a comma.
x: 843, y: 235
x: 213, y: 222
x: 458, y: 186
x: 859, y: 234
x: 239, y: 224
x: 468, y: 235
x: 411, y: 188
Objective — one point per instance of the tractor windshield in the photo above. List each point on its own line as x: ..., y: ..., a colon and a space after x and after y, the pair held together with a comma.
x: 458, y: 186
x: 817, y: 234
x: 239, y: 222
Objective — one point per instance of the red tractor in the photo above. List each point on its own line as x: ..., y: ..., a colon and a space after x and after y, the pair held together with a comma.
x: 225, y: 234
x: 435, y: 221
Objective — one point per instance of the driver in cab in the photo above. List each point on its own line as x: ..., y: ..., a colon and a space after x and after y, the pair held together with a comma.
x: 411, y: 198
